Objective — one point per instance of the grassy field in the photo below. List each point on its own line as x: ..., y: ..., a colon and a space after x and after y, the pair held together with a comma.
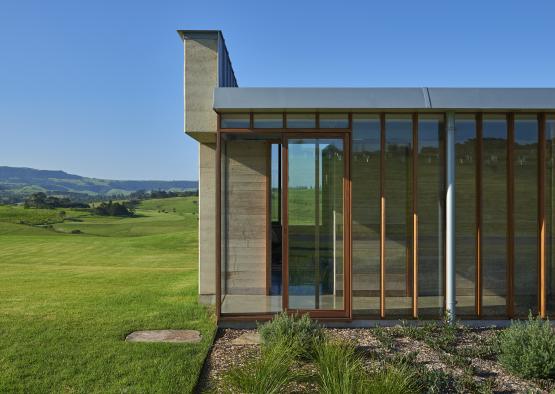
x: 69, y: 300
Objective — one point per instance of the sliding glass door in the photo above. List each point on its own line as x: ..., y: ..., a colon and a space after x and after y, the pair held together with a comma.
x: 316, y: 275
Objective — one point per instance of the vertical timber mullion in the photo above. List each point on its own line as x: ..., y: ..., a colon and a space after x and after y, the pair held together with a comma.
x: 510, y: 215
x: 542, y: 294
x: 382, y: 215
x: 479, y: 148
x: 347, y: 227
x: 317, y: 225
x: 414, y: 217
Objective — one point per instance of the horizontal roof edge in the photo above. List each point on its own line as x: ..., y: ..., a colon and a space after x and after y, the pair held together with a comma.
x: 383, y: 98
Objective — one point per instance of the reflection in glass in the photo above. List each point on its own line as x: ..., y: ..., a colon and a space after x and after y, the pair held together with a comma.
x: 465, y: 209
x: 430, y: 203
x: 550, y: 214
x: 494, y: 215
x: 334, y: 121
x: 525, y: 164
x: 398, y: 208
x: 365, y: 174
x: 268, y: 121
x: 246, y: 280
x: 235, y: 121
x: 315, y: 226
x: 275, y: 236
x: 301, y: 121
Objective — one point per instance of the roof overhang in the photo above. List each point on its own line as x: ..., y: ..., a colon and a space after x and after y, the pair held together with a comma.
x: 343, y: 99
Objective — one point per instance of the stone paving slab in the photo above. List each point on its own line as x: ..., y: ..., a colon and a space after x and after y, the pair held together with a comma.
x: 175, y: 336
x: 248, y: 338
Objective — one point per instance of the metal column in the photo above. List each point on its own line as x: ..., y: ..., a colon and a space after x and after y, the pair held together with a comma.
x: 450, y: 272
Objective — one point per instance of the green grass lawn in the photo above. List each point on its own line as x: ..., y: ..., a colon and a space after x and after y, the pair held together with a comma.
x: 69, y: 300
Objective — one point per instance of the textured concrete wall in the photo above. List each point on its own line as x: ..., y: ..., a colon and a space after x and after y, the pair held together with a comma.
x: 201, y: 77
x: 207, y: 233
x: 245, y: 217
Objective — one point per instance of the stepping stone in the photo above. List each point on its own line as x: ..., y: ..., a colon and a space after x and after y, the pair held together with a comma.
x: 176, y: 336
x: 248, y: 338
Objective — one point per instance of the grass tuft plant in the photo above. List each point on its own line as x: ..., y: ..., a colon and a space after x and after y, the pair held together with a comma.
x: 394, y: 379
x: 340, y: 369
x: 300, y: 332
x: 271, y: 373
x: 527, y: 348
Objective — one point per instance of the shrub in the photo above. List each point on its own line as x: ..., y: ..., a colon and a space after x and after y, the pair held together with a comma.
x: 339, y: 369
x: 528, y: 348
x: 113, y: 209
x: 299, y: 331
x: 271, y: 373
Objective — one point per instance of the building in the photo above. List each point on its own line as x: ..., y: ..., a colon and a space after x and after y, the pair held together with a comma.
x: 370, y: 203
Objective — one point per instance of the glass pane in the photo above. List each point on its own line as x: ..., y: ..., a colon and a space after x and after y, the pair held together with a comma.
x: 246, y: 285
x: 465, y: 211
x: 301, y: 121
x: 494, y: 215
x: 315, y: 228
x: 398, y: 208
x: 365, y: 177
x: 525, y: 164
x: 275, y: 203
x: 276, y: 225
x: 334, y: 121
x: 268, y: 121
x: 235, y: 121
x: 430, y: 203
x: 550, y: 213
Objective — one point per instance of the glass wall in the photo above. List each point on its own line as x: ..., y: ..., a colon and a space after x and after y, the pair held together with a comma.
x: 430, y: 207
x: 465, y: 209
x: 550, y: 214
x: 365, y: 211
x: 525, y: 165
x: 252, y: 227
x: 398, y: 208
x: 494, y: 215
x: 246, y: 242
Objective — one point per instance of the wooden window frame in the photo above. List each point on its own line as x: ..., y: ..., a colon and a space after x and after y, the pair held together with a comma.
x: 344, y: 314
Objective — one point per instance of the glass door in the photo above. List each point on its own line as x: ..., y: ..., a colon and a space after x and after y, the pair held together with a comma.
x: 316, y: 277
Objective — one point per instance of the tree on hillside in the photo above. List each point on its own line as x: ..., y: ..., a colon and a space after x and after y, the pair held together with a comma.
x: 41, y: 200
x: 113, y: 209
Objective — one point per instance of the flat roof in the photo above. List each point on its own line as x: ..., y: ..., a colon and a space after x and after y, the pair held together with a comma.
x: 296, y: 99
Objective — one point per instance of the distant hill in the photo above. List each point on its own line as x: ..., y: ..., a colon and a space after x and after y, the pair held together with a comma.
x: 24, y: 181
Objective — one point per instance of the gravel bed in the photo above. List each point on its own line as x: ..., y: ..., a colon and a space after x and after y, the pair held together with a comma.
x: 461, y: 362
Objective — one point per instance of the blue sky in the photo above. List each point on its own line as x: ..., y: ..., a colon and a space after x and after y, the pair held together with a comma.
x: 95, y: 87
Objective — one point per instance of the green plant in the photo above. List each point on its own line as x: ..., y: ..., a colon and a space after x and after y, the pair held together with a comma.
x: 447, y: 335
x: 487, y: 348
x: 339, y: 369
x: 394, y: 379
x: 270, y: 373
x: 301, y: 332
x: 384, y: 336
x: 528, y: 348
x: 434, y: 381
